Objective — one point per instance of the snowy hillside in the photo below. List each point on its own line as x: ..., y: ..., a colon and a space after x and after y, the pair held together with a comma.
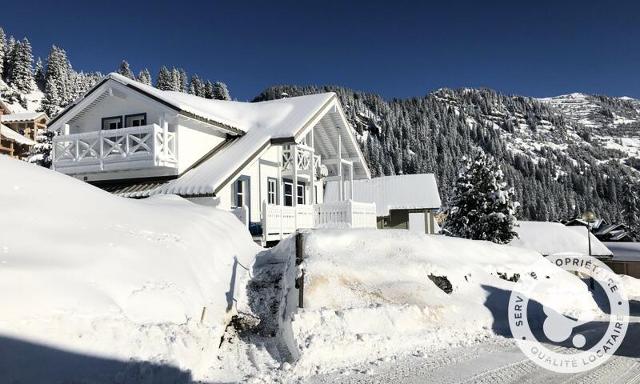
x: 613, y: 121
x: 558, y: 166
x: 121, y: 280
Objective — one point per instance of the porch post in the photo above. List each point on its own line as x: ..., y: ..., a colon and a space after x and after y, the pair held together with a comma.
x: 312, y: 171
x: 351, y: 179
x: 295, y: 175
x: 340, y: 167
x: 280, y: 186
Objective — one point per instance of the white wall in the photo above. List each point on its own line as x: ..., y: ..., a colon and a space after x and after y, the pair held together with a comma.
x: 193, y: 143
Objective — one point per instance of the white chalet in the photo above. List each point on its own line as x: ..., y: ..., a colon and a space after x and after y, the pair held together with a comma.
x: 267, y: 161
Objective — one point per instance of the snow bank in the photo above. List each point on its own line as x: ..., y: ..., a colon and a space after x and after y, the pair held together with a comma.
x: 99, y: 275
x: 368, y: 295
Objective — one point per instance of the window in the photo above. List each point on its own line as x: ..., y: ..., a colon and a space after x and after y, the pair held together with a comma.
x: 136, y: 120
x: 301, y: 197
x: 114, y: 122
x: 272, y: 191
x: 241, y: 192
x: 288, y: 193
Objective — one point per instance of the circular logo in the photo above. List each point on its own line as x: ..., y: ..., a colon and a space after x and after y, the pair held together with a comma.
x: 572, y: 345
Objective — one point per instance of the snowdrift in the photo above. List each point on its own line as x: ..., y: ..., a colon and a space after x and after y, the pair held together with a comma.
x: 97, y: 275
x: 368, y: 294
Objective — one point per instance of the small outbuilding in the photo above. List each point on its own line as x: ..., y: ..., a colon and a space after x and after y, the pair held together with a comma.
x: 550, y: 238
x: 402, y: 201
x: 626, y: 258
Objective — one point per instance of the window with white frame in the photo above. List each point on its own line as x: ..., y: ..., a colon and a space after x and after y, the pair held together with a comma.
x: 241, y: 192
x: 301, y: 194
x: 136, y: 120
x: 114, y: 122
x: 288, y: 193
x: 272, y: 191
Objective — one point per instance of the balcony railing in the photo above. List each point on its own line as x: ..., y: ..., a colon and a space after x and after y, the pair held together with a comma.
x: 117, y: 149
x: 279, y: 221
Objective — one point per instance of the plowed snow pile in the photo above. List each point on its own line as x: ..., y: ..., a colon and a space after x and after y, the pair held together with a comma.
x: 87, y: 273
x: 368, y: 294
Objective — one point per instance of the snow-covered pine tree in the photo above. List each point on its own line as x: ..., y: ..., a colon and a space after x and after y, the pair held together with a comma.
x: 178, y: 84
x: 182, y: 80
x: 38, y: 73
x: 51, y: 101
x: 208, y: 90
x: 482, y: 206
x: 630, y: 207
x: 20, y: 75
x: 196, y: 87
x: 125, y: 70
x: 8, y: 59
x: 41, y: 152
x: 164, y: 81
x: 3, y: 44
x: 58, y: 72
x: 220, y: 91
x: 144, y: 77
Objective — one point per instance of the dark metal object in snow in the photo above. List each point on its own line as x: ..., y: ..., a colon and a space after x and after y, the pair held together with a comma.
x: 442, y: 282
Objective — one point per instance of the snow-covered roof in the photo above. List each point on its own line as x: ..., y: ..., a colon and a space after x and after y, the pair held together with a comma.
x: 251, y: 127
x: 15, y: 136
x: 397, y: 192
x: 263, y: 122
x: 24, y: 116
x: 553, y: 238
x: 624, y: 250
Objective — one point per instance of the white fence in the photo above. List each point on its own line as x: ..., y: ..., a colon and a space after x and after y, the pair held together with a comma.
x: 125, y: 148
x: 279, y: 221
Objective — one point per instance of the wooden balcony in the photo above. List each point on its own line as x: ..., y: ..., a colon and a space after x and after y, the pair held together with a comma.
x: 117, y: 149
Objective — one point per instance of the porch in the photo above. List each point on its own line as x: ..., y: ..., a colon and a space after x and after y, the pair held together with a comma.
x: 280, y: 221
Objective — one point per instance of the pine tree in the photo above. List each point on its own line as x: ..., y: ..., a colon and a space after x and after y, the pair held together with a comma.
x: 482, y: 207
x: 164, y: 81
x: 8, y: 57
x: 51, y: 101
x: 182, y: 80
x: 195, y: 86
x: 3, y: 44
x: 38, y: 73
x: 177, y: 80
x: 125, y: 70
x: 20, y: 74
x: 630, y: 207
x: 220, y: 91
x: 58, y: 83
x: 41, y: 152
x: 208, y: 90
x: 144, y: 77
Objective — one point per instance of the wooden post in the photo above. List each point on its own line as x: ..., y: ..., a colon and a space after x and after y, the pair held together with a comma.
x: 341, y: 189
x: 299, y: 259
x: 351, y: 179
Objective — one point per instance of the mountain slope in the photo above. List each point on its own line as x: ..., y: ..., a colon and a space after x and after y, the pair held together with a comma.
x: 557, y: 165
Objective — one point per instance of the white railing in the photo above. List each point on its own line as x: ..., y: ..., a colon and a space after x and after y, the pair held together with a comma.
x: 125, y: 148
x: 279, y: 221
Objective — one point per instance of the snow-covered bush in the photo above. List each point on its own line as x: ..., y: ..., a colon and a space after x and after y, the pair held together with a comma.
x: 482, y: 207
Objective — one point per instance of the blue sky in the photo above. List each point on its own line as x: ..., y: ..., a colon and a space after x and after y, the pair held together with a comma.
x: 395, y: 48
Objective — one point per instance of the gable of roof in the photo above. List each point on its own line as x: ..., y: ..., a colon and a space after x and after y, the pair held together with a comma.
x: 166, y: 98
x: 265, y: 123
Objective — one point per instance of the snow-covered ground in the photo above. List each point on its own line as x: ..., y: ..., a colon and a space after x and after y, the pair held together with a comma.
x: 86, y: 273
x: 104, y: 289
